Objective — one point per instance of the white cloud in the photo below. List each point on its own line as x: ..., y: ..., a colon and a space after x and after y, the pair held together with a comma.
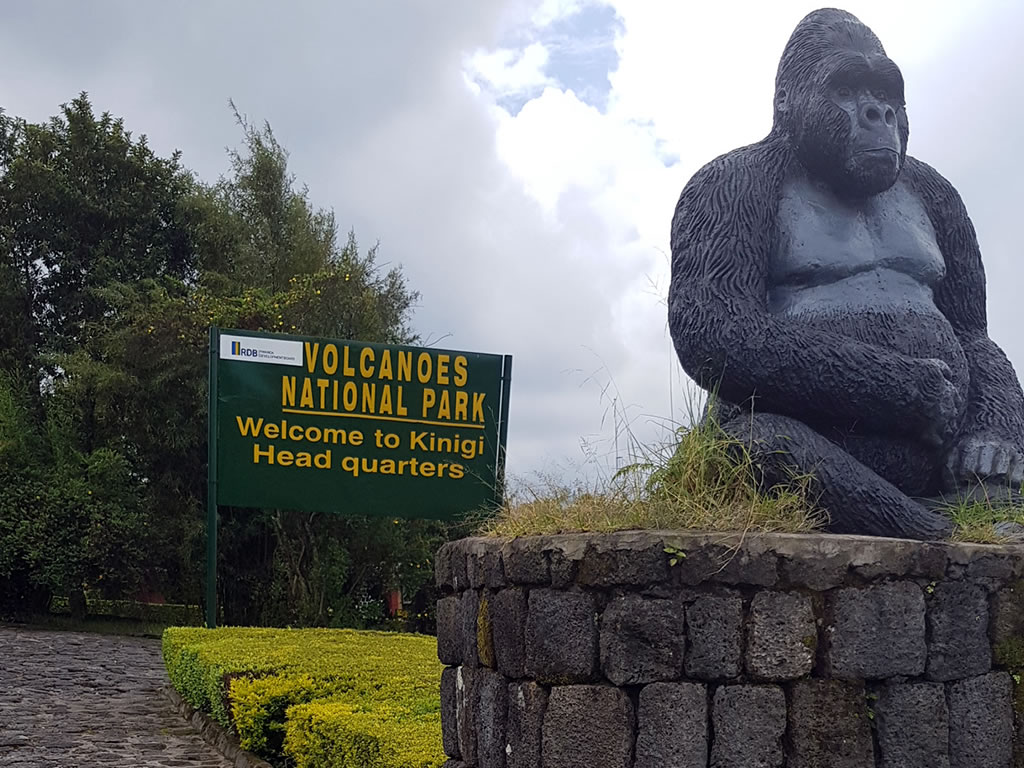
x: 511, y: 72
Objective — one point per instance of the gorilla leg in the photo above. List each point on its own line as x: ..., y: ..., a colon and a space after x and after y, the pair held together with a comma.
x: 856, y: 497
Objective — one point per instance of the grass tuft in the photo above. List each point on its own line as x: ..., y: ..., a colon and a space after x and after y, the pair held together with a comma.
x: 707, y: 481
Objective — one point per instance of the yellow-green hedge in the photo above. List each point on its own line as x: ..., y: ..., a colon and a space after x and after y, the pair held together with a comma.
x: 326, y: 697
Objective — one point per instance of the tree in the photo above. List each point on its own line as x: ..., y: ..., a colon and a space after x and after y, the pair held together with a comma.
x: 114, y: 263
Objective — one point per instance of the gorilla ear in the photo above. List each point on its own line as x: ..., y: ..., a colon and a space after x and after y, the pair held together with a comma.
x: 782, y: 100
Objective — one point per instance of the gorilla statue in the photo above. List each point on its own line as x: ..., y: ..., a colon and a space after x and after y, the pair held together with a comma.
x: 829, y: 289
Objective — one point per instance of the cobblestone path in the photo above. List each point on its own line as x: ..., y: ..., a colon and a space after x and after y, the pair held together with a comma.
x: 76, y: 700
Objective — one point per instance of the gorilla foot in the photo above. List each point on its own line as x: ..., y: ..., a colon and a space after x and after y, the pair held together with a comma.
x: 857, y: 499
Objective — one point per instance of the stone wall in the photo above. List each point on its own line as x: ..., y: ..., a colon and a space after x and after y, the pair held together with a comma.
x: 595, y: 651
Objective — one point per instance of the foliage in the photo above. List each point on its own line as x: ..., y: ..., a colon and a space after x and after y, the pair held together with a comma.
x: 707, y: 481
x: 336, y: 733
x: 322, y: 697
x: 114, y: 262
x: 977, y: 519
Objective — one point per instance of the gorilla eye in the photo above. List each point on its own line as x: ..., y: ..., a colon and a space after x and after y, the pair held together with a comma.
x: 844, y: 92
x: 882, y: 95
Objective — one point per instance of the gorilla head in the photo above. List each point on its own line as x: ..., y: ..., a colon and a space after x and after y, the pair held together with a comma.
x: 839, y: 101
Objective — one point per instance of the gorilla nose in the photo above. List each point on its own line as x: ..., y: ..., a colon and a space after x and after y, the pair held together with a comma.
x: 873, y: 114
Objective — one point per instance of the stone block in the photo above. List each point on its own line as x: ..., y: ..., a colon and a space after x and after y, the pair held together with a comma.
x: 1008, y: 620
x: 527, y: 703
x: 525, y: 561
x: 877, y: 632
x: 491, y: 699
x: 782, y: 636
x: 561, y: 636
x: 818, y: 574
x: 623, y: 559
x: 588, y: 726
x: 724, y: 564
x: 484, y: 567
x: 748, y: 722
x: 449, y: 631
x: 465, y: 713
x: 672, y: 724
x: 642, y: 640
x: 981, y: 721
x: 508, y: 626
x: 449, y: 712
x: 829, y: 725
x: 457, y: 559
x: 443, y: 567
x: 912, y: 722
x: 715, y: 631
x: 469, y: 611
x: 958, y: 645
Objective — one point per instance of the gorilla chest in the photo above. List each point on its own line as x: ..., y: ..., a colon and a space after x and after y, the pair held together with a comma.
x: 876, y: 254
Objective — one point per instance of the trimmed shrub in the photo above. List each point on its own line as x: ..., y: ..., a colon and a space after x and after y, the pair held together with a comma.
x: 338, y: 734
x: 321, y: 697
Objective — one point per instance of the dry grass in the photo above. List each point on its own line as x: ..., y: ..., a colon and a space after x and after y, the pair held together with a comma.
x: 706, y: 482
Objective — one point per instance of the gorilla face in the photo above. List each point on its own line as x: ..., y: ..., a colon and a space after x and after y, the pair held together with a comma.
x: 850, y: 128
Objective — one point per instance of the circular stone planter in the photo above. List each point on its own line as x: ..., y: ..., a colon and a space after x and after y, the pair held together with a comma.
x: 809, y: 651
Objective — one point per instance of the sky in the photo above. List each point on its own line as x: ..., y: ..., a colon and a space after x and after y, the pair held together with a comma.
x: 521, y: 159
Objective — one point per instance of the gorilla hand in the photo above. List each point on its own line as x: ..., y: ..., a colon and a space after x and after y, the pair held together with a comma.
x: 986, y: 456
x: 940, y: 402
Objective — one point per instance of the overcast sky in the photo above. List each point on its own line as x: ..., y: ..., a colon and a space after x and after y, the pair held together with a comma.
x: 521, y: 159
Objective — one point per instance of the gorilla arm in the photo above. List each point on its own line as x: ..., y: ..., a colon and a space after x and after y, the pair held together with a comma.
x: 723, y: 232
x: 991, y: 438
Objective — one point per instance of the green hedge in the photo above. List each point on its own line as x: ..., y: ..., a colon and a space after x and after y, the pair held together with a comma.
x: 321, y: 698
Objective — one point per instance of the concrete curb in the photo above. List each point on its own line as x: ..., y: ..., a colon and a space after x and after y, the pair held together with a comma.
x: 214, y: 734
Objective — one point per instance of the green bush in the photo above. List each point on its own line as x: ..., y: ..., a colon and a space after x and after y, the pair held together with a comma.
x: 320, y: 697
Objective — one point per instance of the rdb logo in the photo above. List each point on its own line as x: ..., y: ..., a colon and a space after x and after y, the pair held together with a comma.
x: 238, y: 350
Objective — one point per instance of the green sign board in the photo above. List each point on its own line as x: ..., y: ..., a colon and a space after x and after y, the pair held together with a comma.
x: 354, y: 428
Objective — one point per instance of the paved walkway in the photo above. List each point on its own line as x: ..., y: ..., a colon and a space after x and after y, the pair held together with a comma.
x: 76, y: 700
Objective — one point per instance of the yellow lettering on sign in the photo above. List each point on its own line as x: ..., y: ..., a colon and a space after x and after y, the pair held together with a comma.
x: 478, y: 406
x: 369, y: 404
x: 287, y: 391
x: 306, y: 401
x: 330, y: 359
x: 424, y: 367
x: 249, y: 427
x: 365, y: 357
x: 312, y: 350
x: 442, y: 369
x: 460, y: 371
x: 405, y: 366
x: 429, y: 398
x: 384, y: 372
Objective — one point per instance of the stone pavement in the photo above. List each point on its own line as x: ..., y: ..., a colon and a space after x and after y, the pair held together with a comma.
x: 77, y: 700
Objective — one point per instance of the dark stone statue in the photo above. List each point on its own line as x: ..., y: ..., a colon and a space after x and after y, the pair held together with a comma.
x: 829, y: 288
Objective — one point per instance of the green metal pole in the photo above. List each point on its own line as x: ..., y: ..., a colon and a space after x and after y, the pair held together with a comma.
x: 211, y: 485
x: 506, y: 385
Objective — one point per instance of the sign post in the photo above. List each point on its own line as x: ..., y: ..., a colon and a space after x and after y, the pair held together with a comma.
x: 352, y: 428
